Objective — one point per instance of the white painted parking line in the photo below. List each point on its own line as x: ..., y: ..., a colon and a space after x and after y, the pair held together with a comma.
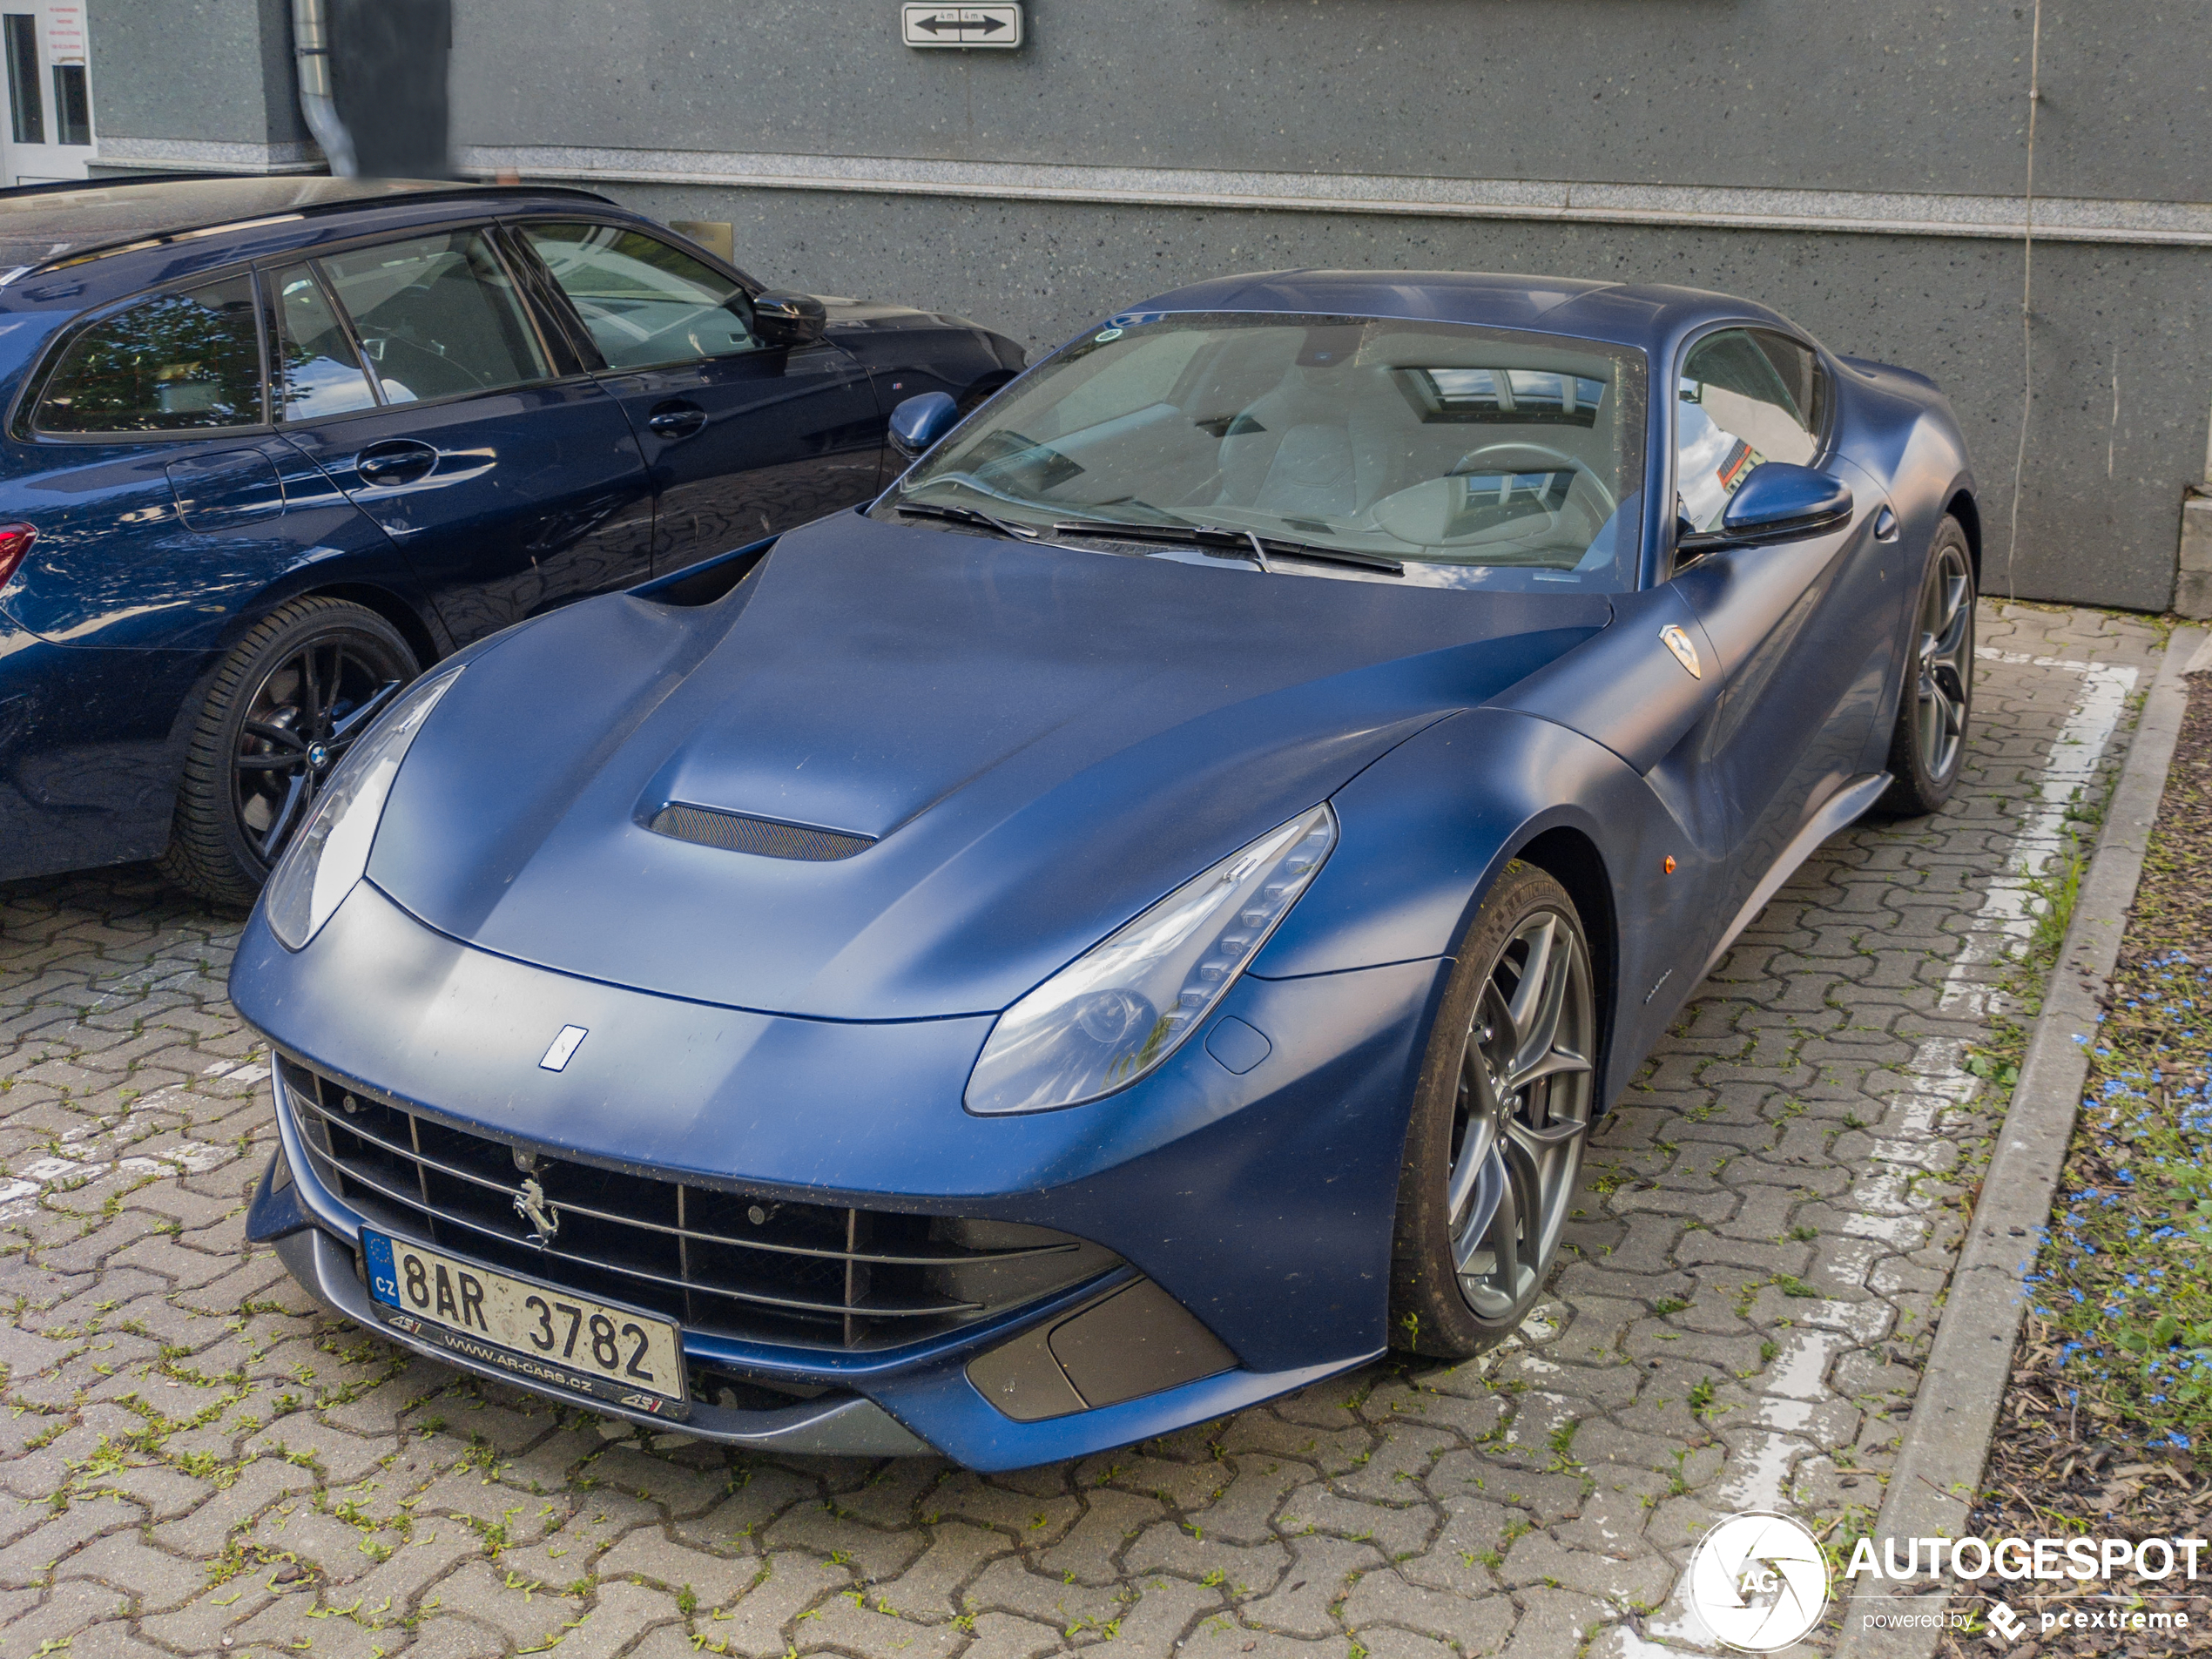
x: 1884, y: 1215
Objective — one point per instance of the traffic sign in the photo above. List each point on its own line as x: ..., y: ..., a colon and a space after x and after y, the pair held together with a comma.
x: 968, y: 26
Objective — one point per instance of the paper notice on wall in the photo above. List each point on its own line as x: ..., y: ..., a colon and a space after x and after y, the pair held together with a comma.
x: 65, y: 34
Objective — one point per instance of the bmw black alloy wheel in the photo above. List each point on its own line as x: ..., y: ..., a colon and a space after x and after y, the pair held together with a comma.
x: 1943, y: 662
x: 283, y: 708
x: 1522, y: 1113
x: 304, y: 714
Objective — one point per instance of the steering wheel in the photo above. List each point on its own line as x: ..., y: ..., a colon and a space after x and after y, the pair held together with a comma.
x: 1471, y: 462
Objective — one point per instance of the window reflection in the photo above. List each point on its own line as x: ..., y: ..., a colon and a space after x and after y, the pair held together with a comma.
x: 175, y: 362
x: 1745, y: 396
x: 318, y: 372
x: 644, y: 302
x: 1527, y: 396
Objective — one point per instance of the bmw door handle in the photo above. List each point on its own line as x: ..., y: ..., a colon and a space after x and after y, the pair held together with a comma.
x: 673, y: 422
x: 1885, y: 526
x: 400, y: 461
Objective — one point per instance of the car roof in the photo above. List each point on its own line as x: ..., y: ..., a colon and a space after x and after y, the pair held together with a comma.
x: 1642, y: 315
x: 41, y: 227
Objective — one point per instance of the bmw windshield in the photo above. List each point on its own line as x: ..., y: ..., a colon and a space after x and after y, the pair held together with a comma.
x: 1438, y: 453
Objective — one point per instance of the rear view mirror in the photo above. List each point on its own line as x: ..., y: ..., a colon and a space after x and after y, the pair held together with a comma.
x: 1778, y: 503
x: 920, y: 421
x: 788, y: 319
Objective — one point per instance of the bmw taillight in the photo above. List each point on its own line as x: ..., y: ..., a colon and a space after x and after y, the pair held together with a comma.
x: 15, y: 542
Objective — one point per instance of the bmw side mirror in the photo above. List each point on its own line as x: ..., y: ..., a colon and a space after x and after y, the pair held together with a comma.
x: 1777, y: 502
x: 788, y: 319
x: 920, y: 421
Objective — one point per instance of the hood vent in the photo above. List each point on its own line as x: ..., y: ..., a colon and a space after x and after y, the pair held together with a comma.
x: 735, y: 832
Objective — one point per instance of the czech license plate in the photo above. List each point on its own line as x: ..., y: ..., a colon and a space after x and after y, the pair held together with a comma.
x: 540, y: 1332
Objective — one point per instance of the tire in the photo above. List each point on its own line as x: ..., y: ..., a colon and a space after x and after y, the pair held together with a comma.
x: 268, y: 734
x: 1936, y: 702
x: 1490, y: 1172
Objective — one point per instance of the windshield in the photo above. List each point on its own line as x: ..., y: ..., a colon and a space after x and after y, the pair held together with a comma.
x: 1470, y: 457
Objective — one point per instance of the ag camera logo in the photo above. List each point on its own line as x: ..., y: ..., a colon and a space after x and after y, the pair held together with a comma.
x: 1759, y: 1581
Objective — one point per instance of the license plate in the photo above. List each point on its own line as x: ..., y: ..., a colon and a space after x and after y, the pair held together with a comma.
x: 538, y: 1332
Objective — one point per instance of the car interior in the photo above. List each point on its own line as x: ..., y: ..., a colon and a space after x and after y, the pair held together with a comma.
x: 437, y: 317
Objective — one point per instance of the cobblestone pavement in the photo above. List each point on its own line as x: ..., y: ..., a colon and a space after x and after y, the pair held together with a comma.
x: 196, y: 1461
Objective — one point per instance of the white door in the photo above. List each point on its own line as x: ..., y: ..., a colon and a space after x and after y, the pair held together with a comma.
x: 49, y: 133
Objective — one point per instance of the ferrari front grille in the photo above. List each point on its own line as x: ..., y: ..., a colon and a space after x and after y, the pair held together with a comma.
x: 735, y: 832
x: 717, y: 1259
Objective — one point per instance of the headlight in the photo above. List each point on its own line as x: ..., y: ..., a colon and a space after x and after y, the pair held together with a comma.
x: 331, y: 851
x: 1119, y: 1009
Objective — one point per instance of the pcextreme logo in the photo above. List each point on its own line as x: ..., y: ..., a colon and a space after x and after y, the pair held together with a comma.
x: 1759, y: 1581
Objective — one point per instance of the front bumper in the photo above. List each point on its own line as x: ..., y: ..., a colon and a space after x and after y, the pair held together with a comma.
x: 1261, y: 1202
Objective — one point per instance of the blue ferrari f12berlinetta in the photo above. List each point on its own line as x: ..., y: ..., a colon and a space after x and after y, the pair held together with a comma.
x: 1142, y: 916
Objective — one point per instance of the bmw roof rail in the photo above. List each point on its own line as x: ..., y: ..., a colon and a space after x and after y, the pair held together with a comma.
x: 340, y: 200
x: 63, y: 187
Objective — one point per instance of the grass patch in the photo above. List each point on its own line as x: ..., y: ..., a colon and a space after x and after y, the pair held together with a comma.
x: 2121, y: 1287
x: 2121, y: 1323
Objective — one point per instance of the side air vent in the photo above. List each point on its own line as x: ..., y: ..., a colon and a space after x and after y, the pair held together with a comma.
x: 735, y: 832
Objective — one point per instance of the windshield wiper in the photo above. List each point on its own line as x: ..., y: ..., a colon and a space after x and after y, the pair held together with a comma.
x: 1353, y: 556
x: 1230, y: 543
x: 1207, y: 536
x: 966, y: 515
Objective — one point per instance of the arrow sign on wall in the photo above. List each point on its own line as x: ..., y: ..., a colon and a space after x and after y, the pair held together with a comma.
x: 971, y: 26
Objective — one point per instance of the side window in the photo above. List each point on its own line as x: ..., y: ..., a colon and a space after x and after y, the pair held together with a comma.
x: 317, y: 371
x: 189, y: 361
x: 1746, y: 396
x: 645, y: 303
x: 437, y: 316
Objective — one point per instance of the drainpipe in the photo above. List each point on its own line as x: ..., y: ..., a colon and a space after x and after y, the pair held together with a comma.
x: 311, y: 54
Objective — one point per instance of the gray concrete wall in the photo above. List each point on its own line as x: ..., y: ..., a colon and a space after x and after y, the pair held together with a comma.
x: 1898, y: 95
x: 190, y: 74
x: 2116, y: 326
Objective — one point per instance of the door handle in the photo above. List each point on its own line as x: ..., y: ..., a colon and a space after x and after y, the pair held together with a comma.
x: 400, y: 461
x: 1885, y: 526
x: 675, y: 422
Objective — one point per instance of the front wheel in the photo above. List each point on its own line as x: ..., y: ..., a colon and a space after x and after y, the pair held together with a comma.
x: 1493, y: 1148
x: 1930, y: 739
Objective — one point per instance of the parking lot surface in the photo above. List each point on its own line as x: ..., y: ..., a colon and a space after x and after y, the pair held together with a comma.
x: 196, y: 1461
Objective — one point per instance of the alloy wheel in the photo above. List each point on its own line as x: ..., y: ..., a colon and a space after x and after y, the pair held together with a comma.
x: 1944, y: 666
x: 1523, y: 1111
x: 304, y: 714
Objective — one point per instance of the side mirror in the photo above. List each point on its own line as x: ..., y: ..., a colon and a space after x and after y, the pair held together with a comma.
x: 1777, y: 502
x: 920, y: 421
x: 788, y: 319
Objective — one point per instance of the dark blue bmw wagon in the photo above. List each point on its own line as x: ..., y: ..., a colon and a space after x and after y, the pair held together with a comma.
x: 272, y: 446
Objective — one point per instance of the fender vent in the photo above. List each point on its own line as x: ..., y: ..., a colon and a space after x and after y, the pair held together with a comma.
x: 735, y: 832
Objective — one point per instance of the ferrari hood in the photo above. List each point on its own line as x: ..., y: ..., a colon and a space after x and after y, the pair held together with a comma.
x: 1030, y: 743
